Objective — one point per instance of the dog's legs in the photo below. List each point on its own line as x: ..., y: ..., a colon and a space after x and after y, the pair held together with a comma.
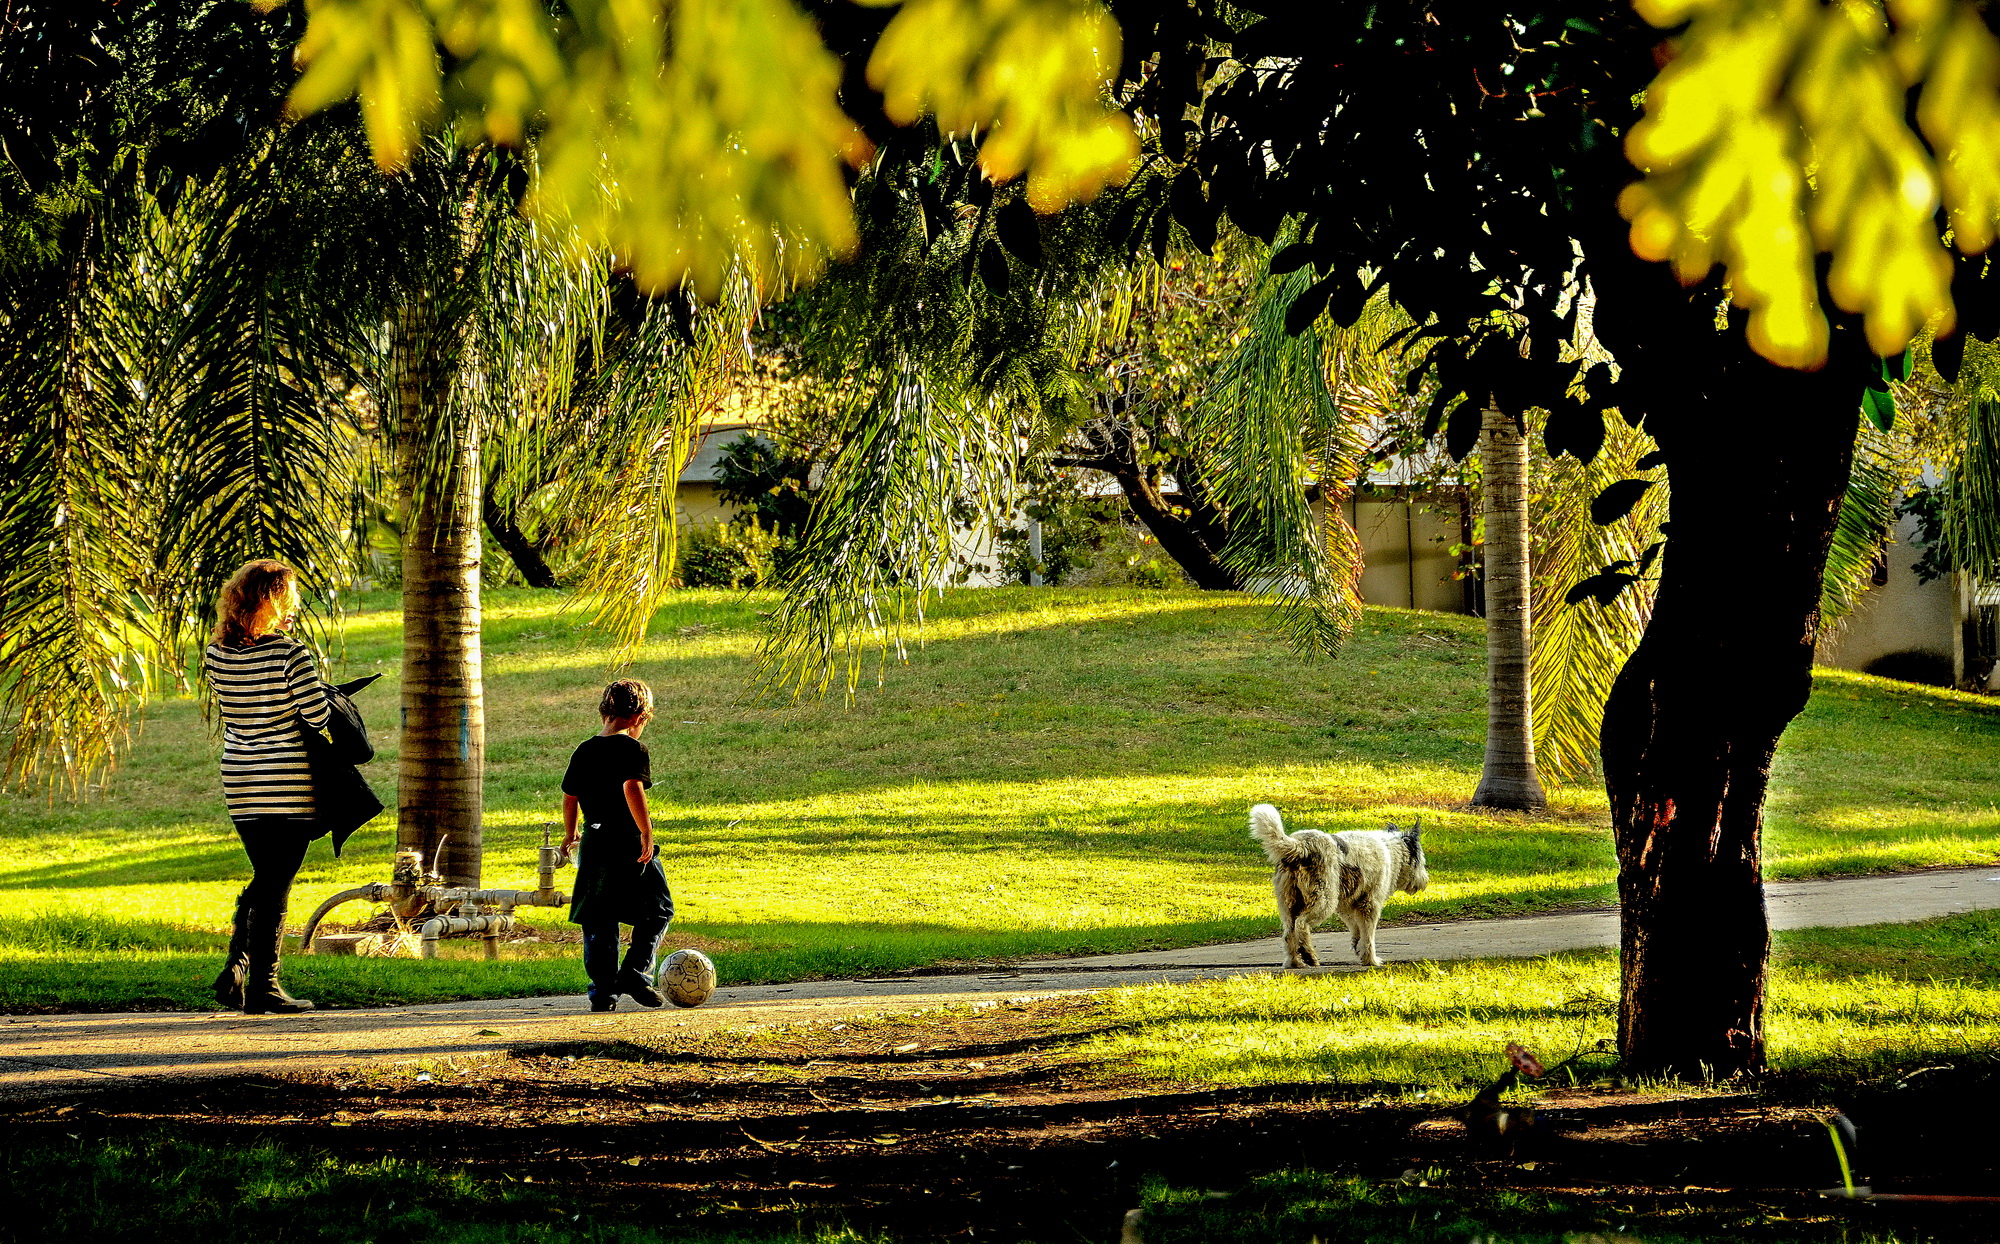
x: 1364, y: 935
x: 1306, y: 951
x: 1350, y: 919
x: 1289, y: 908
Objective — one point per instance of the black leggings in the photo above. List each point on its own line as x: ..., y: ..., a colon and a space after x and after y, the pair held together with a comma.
x: 276, y: 846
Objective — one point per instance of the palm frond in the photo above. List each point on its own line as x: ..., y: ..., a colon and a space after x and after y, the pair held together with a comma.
x: 1866, y: 521
x: 1579, y: 649
x: 1974, y: 520
x: 73, y: 621
x: 1269, y: 428
x: 1969, y: 518
x: 916, y: 461
x: 259, y: 452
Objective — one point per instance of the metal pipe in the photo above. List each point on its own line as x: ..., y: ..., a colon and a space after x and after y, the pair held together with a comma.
x: 508, y: 898
x: 374, y: 892
x: 438, y: 926
x: 413, y: 890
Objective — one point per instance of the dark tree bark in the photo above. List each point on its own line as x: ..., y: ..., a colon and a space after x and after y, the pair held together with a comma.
x: 529, y: 556
x: 1758, y: 460
x: 1194, y: 538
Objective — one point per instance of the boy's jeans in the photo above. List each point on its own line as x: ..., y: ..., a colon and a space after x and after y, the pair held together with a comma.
x: 600, y: 955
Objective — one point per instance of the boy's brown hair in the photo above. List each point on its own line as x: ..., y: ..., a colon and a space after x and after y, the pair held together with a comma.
x: 628, y: 699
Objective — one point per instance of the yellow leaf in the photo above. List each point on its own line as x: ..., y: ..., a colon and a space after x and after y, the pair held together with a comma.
x: 696, y: 138
x: 1777, y: 133
x: 385, y: 50
x: 1030, y: 74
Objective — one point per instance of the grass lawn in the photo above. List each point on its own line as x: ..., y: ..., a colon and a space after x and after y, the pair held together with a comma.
x: 1845, y: 1005
x: 259, y: 1193
x: 1858, y: 1017
x: 1055, y: 770
x: 1047, y: 1120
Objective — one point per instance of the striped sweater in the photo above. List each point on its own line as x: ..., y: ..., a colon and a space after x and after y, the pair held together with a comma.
x: 263, y: 689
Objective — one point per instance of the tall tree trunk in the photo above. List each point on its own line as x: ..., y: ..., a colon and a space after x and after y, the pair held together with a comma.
x: 1509, y: 779
x: 1758, y: 458
x: 442, y: 754
x: 1694, y: 718
x: 527, y: 555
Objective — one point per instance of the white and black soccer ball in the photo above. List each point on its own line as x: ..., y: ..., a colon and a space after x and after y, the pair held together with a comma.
x: 687, y: 978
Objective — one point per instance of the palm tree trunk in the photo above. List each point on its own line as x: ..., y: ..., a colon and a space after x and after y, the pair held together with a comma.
x: 442, y: 755
x: 1509, y: 779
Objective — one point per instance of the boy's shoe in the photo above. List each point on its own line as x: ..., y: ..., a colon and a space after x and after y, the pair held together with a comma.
x: 637, y: 988
x: 599, y: 1005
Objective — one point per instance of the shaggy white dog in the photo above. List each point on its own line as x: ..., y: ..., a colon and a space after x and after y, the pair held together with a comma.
x: 1352, y: 874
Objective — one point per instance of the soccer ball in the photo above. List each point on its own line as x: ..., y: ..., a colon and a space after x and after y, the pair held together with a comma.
x: 687, y: 978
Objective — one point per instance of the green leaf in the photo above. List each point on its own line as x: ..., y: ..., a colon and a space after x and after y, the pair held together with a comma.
x: 1880, y: 407
x: 1617, y: 500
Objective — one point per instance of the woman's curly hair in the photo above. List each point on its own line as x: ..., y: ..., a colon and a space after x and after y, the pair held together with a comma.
x: 626, y: 700
x: 254, y: 585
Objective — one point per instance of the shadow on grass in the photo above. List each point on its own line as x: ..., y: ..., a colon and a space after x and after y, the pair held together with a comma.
x: 223, y: 861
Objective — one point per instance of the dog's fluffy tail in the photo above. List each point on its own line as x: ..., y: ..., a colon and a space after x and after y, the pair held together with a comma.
x: 1268, y: 828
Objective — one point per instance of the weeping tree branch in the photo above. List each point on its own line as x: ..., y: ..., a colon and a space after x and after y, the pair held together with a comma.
x: 913, y: 458
x: 1268, y: 428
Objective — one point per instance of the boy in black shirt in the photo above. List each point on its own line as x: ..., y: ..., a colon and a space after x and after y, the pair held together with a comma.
x: 618, y: 875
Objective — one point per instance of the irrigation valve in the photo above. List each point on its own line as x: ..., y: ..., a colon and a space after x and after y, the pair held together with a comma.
x: 452, y: 911
x: 552, y: 857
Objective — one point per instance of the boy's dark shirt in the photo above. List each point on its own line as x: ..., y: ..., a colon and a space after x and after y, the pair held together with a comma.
x: 611, y: 884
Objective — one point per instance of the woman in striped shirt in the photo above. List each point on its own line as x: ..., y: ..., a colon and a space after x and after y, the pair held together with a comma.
x: 265, y: 685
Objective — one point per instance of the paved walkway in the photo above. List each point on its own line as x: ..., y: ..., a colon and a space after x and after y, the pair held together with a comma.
x: 44, y: 1056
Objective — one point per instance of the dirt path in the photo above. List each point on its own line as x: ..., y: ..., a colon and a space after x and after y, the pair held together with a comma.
x: 991, y: 1124
x: 52, y: 1056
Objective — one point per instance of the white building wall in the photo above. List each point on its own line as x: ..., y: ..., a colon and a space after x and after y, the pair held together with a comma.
x: 1902, y: 615
x: 1406, y: 555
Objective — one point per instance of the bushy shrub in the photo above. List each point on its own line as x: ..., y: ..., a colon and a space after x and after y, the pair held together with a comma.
x: 727, y: 554
x: 1074, y: 528
x: 1130, y: 557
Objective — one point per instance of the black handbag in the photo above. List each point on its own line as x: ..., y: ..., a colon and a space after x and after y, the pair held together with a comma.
x: 342, y: 799
x: 343, y: 721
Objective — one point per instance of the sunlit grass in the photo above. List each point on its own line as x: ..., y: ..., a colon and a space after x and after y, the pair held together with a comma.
x: 1294, y: 1206
x: 122, y: 1189
x: 1843, y: 1003
x: 1054, y: 771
